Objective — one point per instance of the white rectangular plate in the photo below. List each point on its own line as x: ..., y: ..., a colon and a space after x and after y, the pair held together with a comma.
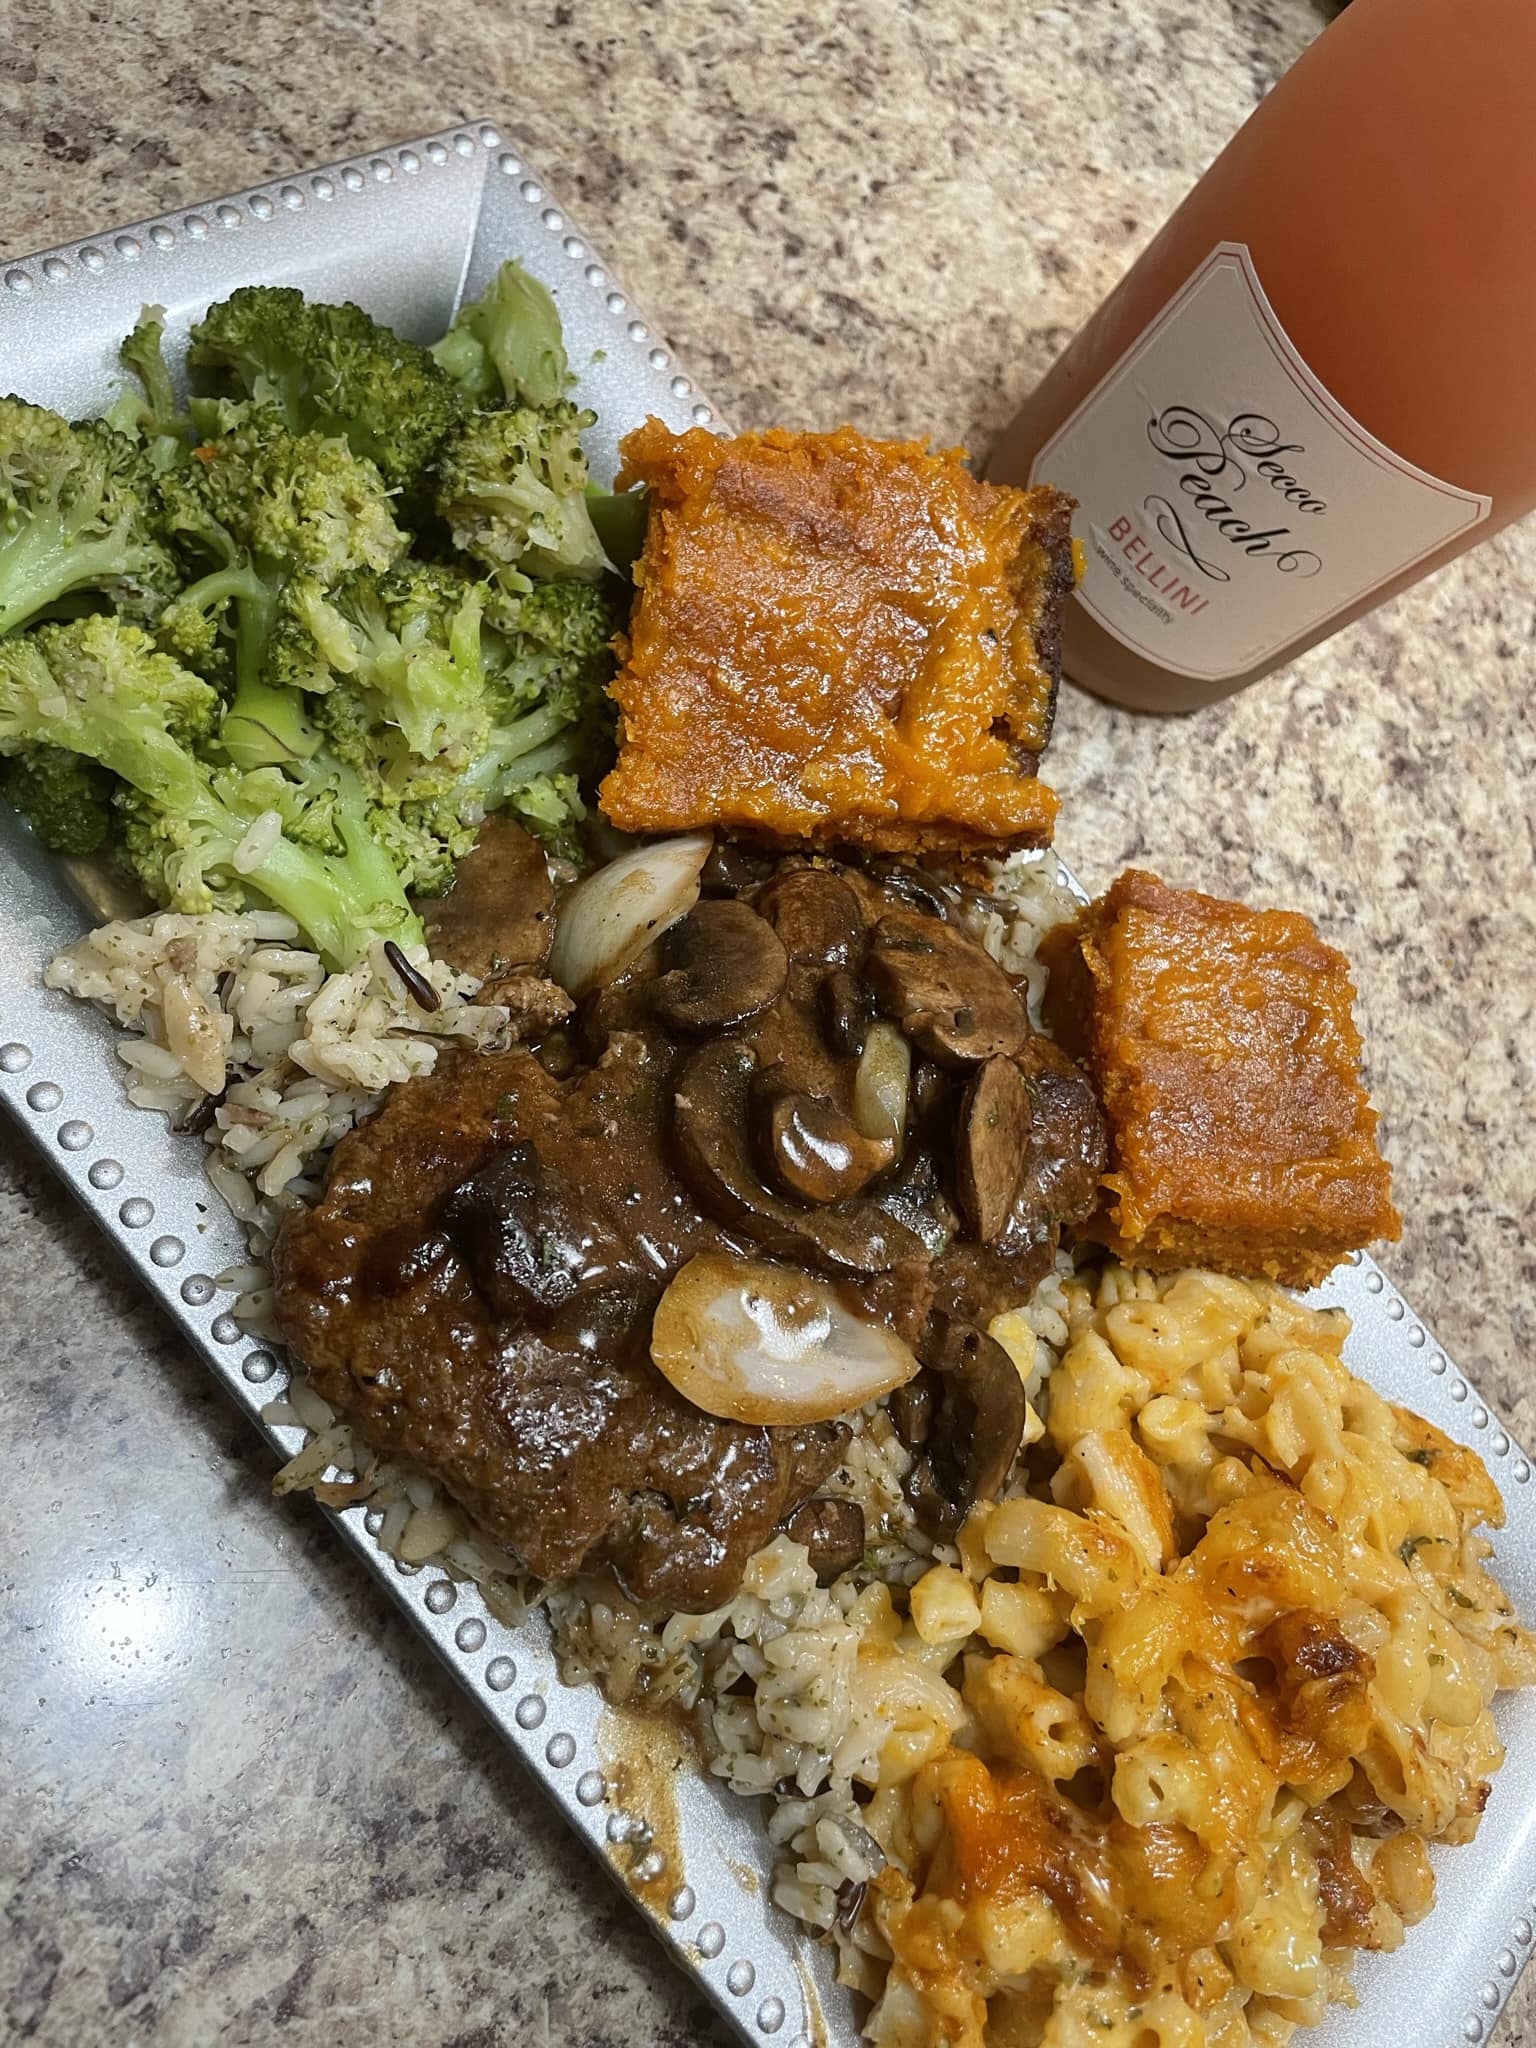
x: 405, y: 233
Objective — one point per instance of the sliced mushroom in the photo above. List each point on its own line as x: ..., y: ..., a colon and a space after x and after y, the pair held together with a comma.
x: 789, y: 1042
x: 910, y: 886
x: 911, y: 1410
x: 1068, y: 1142
x: 972, y: 1427
x: 947, y: 993
x: 499, y: 914
x: 847, y: 1011
x: 994, y: 1132
x: 933, y: 1099
x: 710, y: 1129
x: 529, y: 1240
x: 733, y: 868
x: 815, y: 914
x: 832, y: 1530
x: 813, y: 1151
x: 723, y: 964
x: 930, y: 1104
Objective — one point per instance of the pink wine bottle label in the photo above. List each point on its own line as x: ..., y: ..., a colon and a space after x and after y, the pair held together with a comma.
x: 1230, y: 506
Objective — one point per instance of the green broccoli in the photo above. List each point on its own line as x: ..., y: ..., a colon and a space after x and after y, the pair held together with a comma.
x: 313, y: 716
x: 143, y: 352
x: 147, y: 409
x: 195, y: 635
x: 395, y: 658
x: 549, y: 659
x: 103, y: 690
x: 425, y: 838
x: 512, y: 491
x: 577, y: 620
x: 260, y: 506
x: 67, y: 801
x: 302, y: 500
x: 76, y: 515
x: 540, y: 721
x: 507, y: 344
x: 620, y: 519
x: 332, y: 370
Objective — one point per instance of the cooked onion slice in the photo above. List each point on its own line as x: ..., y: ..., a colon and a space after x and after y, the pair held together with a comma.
x: 882, y: 1083
x: 760, y: 1343
x: 609, y: 919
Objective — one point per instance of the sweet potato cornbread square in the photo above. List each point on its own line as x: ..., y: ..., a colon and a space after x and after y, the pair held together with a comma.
x: 1223, y: 1044
x: 839, y: 640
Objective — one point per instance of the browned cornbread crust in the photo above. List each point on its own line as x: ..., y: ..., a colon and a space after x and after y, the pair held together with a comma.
x: 840, y: 641
x: 1223, y: 1045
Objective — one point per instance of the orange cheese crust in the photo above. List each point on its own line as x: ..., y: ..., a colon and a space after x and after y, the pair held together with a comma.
x: 1223, y: 1045
x: 840, y: 641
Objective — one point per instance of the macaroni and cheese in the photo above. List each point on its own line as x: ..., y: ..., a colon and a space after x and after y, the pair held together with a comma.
x: 1217, y: 1679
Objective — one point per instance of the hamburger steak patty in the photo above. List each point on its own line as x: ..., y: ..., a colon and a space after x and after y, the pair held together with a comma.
x: 476, y: 1285
x: 562, y: 1440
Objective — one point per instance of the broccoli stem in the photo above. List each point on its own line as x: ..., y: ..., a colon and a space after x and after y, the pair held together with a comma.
x: 466, y: 361
x: 341, y: 900
x: 619, y: 520
x: 244, y: 585
x: 554, y: 758
x: 40, y: 563
x: 511, y: 746
x: 143, y: 352
x: 264, y: 726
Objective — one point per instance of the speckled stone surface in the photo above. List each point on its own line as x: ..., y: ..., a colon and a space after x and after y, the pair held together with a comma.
x: 239, y: 1805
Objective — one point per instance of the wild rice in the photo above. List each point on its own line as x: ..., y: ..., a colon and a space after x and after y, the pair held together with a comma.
x: 230, y: 1012
x: 777, y: 1681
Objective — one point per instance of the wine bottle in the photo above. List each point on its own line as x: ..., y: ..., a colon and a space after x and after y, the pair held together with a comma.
x: 1319, y: 381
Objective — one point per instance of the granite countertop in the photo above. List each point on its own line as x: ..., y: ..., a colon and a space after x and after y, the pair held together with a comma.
x: 243, y: 1806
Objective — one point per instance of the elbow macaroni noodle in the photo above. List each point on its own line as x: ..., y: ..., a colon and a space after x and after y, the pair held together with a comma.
x: 1199, y: 1697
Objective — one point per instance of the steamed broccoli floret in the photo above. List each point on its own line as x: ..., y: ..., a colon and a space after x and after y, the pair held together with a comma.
x: 444, y: 721
x: 425, y: 839
x: 551, y: 807
x: 507, y: 344
x: 332, y: 370
x: 395, y: 656
x: 66, y: 801
x: 512, y: 481
x: 549, y: 661
x: 261, y: 506
x: 577, y: 620
x: 303, y: 501
x: 532, y: 768
x: 147, y: 409
x: 196, y: 634
x: 319, y: 720
x: 512, y: 490
x: 143, y: 352
x: 76, y: 515
x: 103, y: 690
